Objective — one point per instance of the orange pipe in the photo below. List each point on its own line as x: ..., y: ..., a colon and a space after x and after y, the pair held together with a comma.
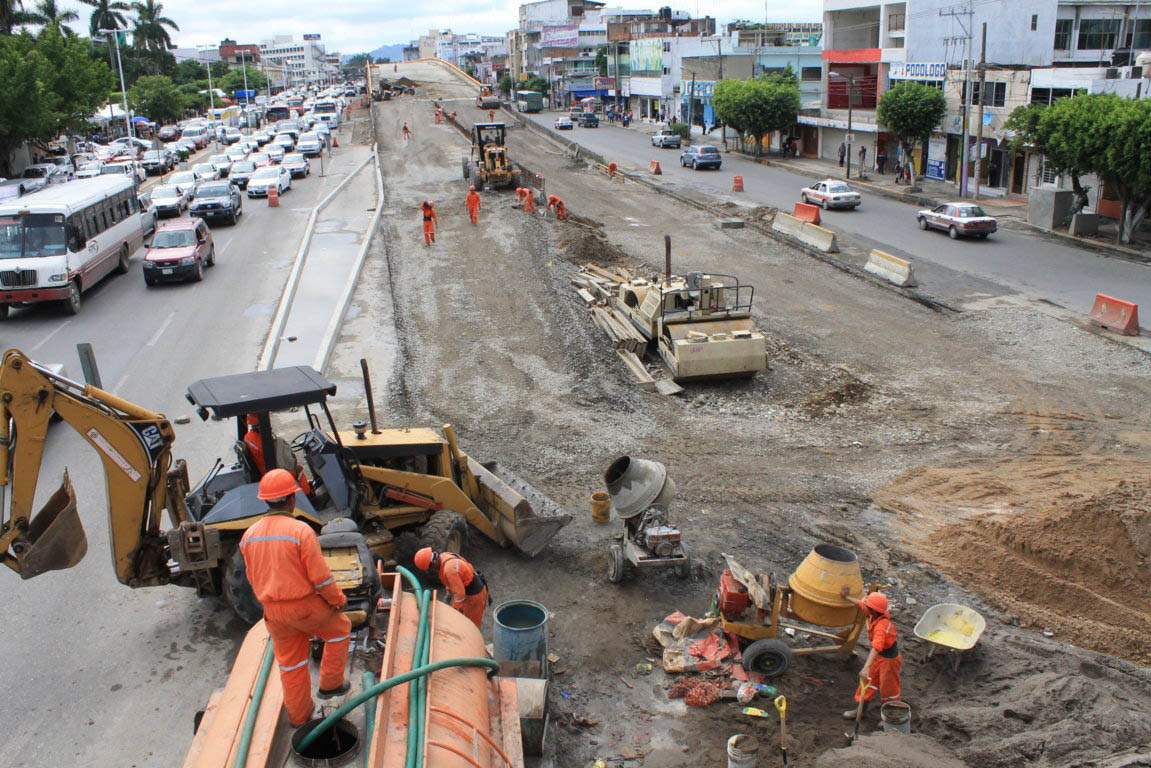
x: 475, y: 728
x: 459, y: 752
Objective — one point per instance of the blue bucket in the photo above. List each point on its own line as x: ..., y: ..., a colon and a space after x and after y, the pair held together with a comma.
x: 521, y: 631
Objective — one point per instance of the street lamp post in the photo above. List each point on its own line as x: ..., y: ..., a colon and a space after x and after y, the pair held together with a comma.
x: 115, y: 33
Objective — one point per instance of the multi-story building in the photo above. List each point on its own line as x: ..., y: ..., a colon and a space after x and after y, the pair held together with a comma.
x: 411, y: 51
x: 238, y: 55
x: 298, y: 62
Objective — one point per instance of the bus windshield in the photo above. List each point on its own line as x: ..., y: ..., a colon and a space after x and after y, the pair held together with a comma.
x: 31, y: 235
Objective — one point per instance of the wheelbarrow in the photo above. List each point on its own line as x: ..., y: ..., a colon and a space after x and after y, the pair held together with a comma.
x: 954, y: 628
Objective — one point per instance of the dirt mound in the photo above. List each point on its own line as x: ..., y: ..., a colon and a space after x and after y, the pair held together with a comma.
x: 850, y: 391
x: 582, y: 246
x: 891, y: 750
x: 1064, y: 551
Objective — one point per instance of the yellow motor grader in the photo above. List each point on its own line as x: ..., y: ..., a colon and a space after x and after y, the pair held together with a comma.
x: 402, y: 488
x: 488, y: 164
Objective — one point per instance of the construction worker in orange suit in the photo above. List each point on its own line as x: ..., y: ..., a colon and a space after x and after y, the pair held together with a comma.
x: 301, y: 599
x: 491, y: 115
x: 428, y: 209
x: 611, y: 169
x: 529, y: 201
x: 255, y: 445
x: 472, y: 203
x: 558, y: 205
x: 884, y: 665
x: 520, y: 192
x: 467, y: 587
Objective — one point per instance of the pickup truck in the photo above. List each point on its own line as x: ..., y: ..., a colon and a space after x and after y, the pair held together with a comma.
x: 666, y: 138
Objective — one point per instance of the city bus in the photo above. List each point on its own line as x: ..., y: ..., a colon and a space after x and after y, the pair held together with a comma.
x: 277, y: 112
x: 60, y: 241
x: 226, y: 116
x: 529, y: 101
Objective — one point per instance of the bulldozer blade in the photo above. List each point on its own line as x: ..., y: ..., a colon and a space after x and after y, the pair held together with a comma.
x: 526, y: 516
x: 56, y: 538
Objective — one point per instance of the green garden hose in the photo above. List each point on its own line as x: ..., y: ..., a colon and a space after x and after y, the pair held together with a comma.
x: 254, y: 708
x: 369, y: 718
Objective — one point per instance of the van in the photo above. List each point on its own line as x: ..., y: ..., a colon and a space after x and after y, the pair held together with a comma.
x: 198, y: 134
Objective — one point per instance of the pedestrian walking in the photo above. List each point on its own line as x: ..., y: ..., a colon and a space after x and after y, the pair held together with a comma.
x: 881, y: 161
x: 898, y: 169
x: 884, y: 666
x: 407, y: 132
x: 469, y: 591
x: 292, y: 581
x: 472, y: 203
x: 842, y: 153
x: 862, y: 157
x: 428, y: 209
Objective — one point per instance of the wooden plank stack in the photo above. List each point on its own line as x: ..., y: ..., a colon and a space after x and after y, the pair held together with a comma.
x: 596, y: 286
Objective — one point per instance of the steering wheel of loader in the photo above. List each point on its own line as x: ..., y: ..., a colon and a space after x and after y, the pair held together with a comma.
x: 303, y: 442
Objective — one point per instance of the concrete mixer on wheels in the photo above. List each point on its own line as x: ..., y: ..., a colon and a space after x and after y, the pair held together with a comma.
x: 641, y: 493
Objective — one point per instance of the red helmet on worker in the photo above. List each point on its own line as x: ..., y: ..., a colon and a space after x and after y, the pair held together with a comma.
x: 424, y: 558
x: 253, y: 420
x: 472, y: 188
x: 877, y: 601
x: 277, y: 484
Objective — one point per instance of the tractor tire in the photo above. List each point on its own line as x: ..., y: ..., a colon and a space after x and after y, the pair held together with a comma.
x: 770, y: 657
x: 477, y: 179
x: 404, y: 552
x: 467, y: 167
x: 238, y: 592
x: 446, y: 531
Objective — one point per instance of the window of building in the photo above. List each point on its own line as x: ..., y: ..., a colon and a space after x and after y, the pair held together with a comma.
x: 1063, y: 34
x: 996, y: 94
x: 1098, y: 34
x: 1139, y: 35
x: 1034, y: 21
x: 811, y: 73
x: 666, y: 70
x: 1051, y: 95
x: 667, y: 47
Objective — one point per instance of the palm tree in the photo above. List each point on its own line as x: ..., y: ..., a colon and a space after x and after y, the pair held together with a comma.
x: 11, y: 15
x: 149, y: 33
x: 106, y: 15
x: 47, y: 13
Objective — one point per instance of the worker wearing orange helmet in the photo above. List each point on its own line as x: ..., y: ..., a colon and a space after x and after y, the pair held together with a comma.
x: 884, y: 665
x: 555, y: 202
x: 466, y: 585
x: 301, y: 599
x: 491, y: 115
x: 472, y: 203
x: 255, y: 442
x: 428, y: 209
x: 529, y: 201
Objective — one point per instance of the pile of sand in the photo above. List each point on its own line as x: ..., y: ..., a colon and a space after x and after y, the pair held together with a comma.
x: 890, y: 750
x: 1063, y: 548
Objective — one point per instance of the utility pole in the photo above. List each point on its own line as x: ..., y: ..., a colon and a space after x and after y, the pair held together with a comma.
x: 979, y: 119
x: 115, y: 33
x: 970, y: 14
x: 849, y: 144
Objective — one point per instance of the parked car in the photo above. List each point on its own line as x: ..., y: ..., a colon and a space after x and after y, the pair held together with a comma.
x: 241, y: 172
x: 149, y: 214
x: 296, y: 164
x: 89, y: 169
x: 667, y: 139
x: 217, y: 200
x: 158, y: 161
x: 206, y: 171
x: 588, y: 120
x: 222, y: 164
x: 564, y: 124
x: 169, y: 200
x: 702, y: 156
x: 168, y: 133
x: 958, y: 219
x: 831, y: 193
x: 179, y: 251
x: 310, y: 144
x: 275, y: 176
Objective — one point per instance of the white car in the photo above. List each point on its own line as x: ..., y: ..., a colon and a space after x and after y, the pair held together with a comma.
x: 276, y: 153
x: 666, y: 138
x: 89, y: 169
x: 831, y: 193
x: 286, y: 141
x: 128, y: 168
x: 139, y: 144
x: 564, y: 124
x: 206, y: 171
x: 269, y: 177
x: 958, y: 220
x: 310, y: 144
x: 148, y: 213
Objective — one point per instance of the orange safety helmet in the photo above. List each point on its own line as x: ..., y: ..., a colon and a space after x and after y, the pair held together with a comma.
x: 277, y: 484
x: 424, y: 558
x: 253, y: 420
x: 876, y: 601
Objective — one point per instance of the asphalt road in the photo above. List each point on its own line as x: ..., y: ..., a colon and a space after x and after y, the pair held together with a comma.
x: 97, y: 674
x: 1031, y: 263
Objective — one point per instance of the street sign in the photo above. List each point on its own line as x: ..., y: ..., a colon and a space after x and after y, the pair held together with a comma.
x: 850, y: 138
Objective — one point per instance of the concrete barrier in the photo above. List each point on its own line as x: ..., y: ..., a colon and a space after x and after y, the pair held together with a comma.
x: 787, y: 224
x: 818, y: 237
x: 891, y: 268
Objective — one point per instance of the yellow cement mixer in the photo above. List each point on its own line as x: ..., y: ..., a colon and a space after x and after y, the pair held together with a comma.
x: 756, y: 608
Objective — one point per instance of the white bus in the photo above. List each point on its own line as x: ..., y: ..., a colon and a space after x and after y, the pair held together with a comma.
x: 59, y: 242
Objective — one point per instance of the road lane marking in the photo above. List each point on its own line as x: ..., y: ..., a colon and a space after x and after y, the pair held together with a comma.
x: 224, y: 247
x: 49, y: 337
x: 160, y: 331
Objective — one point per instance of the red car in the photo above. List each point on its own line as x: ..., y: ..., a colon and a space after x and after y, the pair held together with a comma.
x: 958, y: 220
x: 180, y: 251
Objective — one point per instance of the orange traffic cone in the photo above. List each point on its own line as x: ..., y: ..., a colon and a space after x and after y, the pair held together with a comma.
x: 655, y: 171
x: 274, y: 196
x: 335, y: 141
x: 737, y: 184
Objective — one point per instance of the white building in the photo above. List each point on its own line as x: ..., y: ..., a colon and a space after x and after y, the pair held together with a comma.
x: 298, y: 62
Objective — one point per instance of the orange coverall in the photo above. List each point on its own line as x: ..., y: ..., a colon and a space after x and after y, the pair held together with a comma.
x: 491, y: 115
x: 459, y: 577
x: 555, y: 202
x: 429, y: 224
x: 256, y: 448
x: 885, y: 671
x: 529, y: 201
x: 472, y: 203
x: 301, y: 599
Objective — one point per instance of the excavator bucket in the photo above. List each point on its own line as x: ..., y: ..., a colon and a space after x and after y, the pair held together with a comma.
x: 56, y: 538
x: 523, y: 513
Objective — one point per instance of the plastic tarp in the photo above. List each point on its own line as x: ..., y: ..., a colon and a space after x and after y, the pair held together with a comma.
x: 694, y: 645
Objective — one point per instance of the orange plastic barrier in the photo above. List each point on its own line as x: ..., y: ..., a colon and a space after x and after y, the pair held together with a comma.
x: 1118, y: 315
x: 274, y: 196
x: 737, y: 184
x: 807, y: 212
x: 655, y: 171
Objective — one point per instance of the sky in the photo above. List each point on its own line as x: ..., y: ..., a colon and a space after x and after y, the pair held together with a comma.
x: 353, y: 26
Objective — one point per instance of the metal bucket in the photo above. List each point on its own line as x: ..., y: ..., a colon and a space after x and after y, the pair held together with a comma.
x: 896, y: 717
x: 521, y: 632
x: 600, y: 507
x: 742, y: 751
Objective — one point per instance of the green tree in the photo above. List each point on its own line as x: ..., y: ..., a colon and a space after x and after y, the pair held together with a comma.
x: 384, y: 60
x: 12, y: 15
x: 359, y: 61
x: 756, y: 108
x: 150, y: 27
x: 156, y: 97
x: 234, y: 80
x: 601, y: 59
x: 46, y: 13
x: 219, y: 68
x: 22, y: 112
x: 106, y: 14
x: 1126, y: 163
x: 786, y: 77
x: 189, y: 71
x: 910, y: 112
x: 505, y: 85
x: 729, y: 100
x: 537, y: 83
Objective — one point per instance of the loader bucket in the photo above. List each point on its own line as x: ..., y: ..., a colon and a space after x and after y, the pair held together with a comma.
x: 56, y: 538
x: 527, y: 517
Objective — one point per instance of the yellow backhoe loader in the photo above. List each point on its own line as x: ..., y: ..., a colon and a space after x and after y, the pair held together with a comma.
x: 403, y: 488
x: 488, y: 164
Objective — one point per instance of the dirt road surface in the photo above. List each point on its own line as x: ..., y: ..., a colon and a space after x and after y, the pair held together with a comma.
x: 989, y: 431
